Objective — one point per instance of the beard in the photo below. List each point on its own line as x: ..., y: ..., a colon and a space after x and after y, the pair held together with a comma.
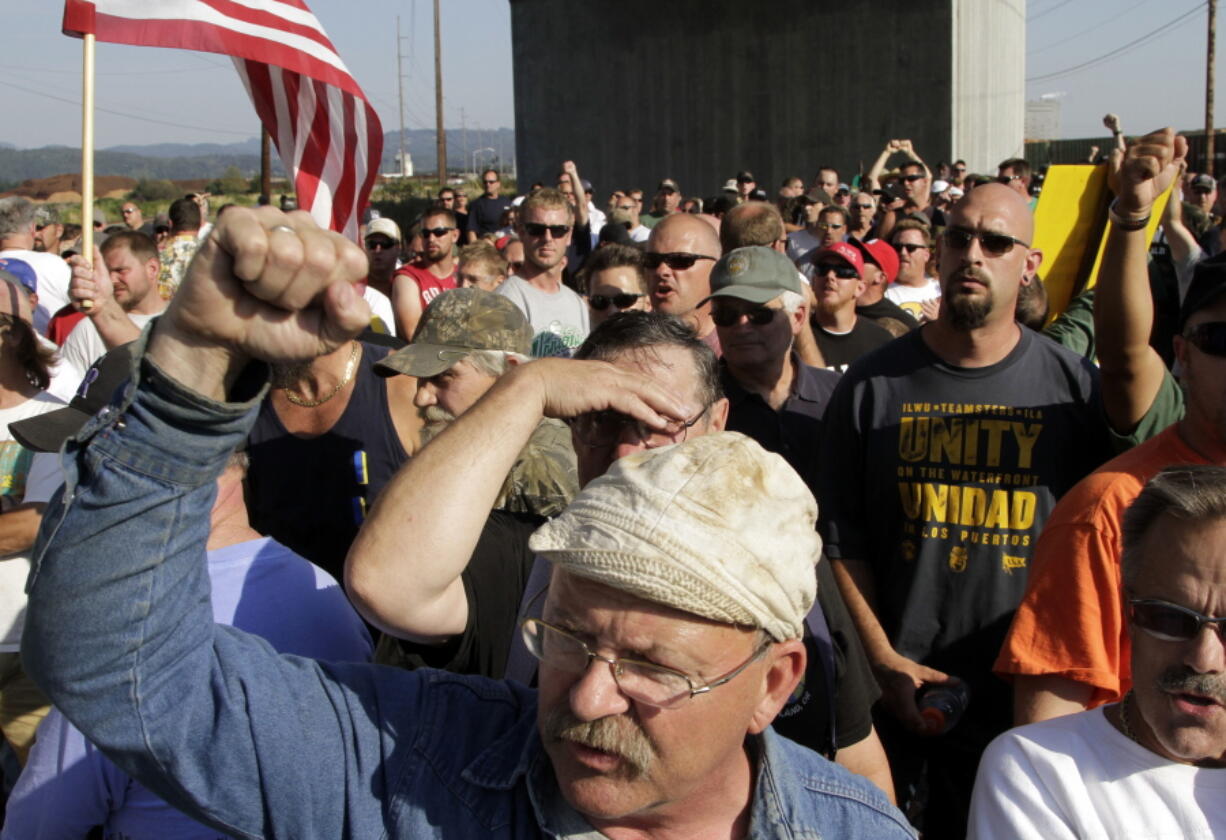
x: 288, y: 375
x: 616, y: 734
x: 968, y: 312
x: 436, y: 419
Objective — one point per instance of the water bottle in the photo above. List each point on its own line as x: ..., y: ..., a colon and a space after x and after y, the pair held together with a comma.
x: 941, y: 706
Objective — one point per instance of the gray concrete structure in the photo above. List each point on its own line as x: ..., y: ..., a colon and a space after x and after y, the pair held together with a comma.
x: 638, y: 90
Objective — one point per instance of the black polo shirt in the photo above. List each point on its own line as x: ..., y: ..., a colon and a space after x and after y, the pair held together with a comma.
x: 795, y: 431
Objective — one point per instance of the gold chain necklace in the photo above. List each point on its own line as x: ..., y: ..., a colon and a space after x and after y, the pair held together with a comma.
x: 350, y: 369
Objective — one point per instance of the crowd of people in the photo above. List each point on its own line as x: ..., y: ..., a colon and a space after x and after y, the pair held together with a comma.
x: 944, y: 557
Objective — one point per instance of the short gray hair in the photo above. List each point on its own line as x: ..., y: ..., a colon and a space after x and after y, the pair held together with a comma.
x: 1184, y: 492
x: 16, y: 215
x: 790, y: 301
x: 493, y: 362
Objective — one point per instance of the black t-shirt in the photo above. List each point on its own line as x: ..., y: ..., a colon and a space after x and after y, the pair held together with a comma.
x: 886, y: 308
x: 806, y: 716
x: 485, y: 214
x: 941, y: 478
x: 841, y: 349
x: 793, y: 432
x: 494, y: 582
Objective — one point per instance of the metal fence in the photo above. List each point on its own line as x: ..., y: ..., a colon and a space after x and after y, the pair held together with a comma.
x: 1041, y: 153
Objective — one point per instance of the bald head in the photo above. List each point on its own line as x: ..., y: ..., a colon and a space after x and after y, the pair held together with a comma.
x: 999, y: 201
x: 687, y: 228
x: 752, y: 223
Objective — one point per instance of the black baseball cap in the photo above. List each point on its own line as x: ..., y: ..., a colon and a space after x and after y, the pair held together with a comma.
x: 1208, y: 284
x: 47, y: 432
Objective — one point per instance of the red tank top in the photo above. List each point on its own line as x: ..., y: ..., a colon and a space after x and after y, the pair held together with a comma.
x: 430, y: 286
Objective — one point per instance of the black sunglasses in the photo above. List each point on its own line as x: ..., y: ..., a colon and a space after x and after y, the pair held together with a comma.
x: 379, y: 244
x: 438, y: 232
x: 1209, y: 337
x: 993, y: 244
x: 759, y: 316
x: 913, y: 177
x: 1171, y: 622
x: 909, y: 247
x: 623, y: 301
x: 841, y: 270
x: 537, y: 229
x: 677, y: 260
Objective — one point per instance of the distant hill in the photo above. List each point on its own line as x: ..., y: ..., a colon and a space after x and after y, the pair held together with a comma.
x: 179, y: 161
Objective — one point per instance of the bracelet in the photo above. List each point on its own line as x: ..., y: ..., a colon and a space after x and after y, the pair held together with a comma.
x: 1126, y: 222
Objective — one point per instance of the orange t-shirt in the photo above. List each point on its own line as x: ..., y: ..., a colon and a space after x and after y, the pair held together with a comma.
x: 1071, y: 621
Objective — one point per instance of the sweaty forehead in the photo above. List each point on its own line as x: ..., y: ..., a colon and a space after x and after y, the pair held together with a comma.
x: 684, y: 233
x: 995, y: 208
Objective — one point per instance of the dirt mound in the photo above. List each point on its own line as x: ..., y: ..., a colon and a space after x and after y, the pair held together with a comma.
x: 43, y: 189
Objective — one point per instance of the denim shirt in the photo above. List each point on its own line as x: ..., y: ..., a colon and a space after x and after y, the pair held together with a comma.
x: 121, y: 637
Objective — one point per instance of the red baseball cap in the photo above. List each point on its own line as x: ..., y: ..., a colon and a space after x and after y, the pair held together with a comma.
x: 846, y: 251
x: 882, y: 254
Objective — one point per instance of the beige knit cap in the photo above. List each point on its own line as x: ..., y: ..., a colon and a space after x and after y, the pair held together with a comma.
x: 715, y: 526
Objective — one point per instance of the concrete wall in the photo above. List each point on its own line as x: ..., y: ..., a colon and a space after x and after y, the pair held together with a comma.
x: 638, y: 90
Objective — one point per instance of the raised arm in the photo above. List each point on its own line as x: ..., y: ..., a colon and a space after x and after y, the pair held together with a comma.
x: 403, y: 570
x: 93, y: 283
x: 873, y: 178
x: 1132, y: 371
x: 571, y: 172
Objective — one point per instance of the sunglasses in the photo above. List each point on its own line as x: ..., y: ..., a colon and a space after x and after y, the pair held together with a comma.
x: 677, y: 261
x: 1007, y: 179
x: 1209, y: 337
x: 909, y: 247
x: 537, y: 229
x: 437, y: 233
x: 1171, y: 622
x: 128, y: 210
x: 841, y: 270
x: 867, y: 206
x: 759, y: 316
x: 993, y: 244
x: 913, y: 177
x: 623, y: 301
x: 829, y: 226
x: 379, y: 244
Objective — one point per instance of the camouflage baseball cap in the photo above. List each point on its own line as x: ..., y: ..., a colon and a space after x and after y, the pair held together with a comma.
x: 456, y: 323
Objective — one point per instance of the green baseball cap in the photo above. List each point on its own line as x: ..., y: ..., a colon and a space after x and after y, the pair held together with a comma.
x: 755, y: 274
x: 456, y: 323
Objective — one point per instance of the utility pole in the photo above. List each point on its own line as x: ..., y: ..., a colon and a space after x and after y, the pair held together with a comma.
x: 406, y: 166
x: 438, y: 102
x: 265, y: 163
x: 464, y: 131
x: 1209, y: 87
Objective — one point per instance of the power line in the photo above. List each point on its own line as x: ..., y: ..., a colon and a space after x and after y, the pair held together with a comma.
x: 1121, y: 50
x: 1085, y: 31
x: 77, y: 72
x: 1049, y: 10
x: 77, y: 103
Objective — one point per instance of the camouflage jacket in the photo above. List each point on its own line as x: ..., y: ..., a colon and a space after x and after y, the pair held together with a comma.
x: 543, y: 478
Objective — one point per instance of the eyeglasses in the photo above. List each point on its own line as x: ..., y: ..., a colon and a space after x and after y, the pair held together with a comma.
x: 128, y: 210
x: 1007, y: 179
x: 913, y: 177
x: 909, y: 247
x: 993, y: 244
x: 829, y: 226
x: 726, y: 316
x: 676, y: 260
x: 866, y: 206
x: 538, y: 230
x: 841, y: 270
x: 1171, y: 622
x: 623, y: 301
x: 959, y: 169
x: 597, y: 429
x: 437, y: 233
x: 379, y: 244
x: 644, y: 682
x: 1209, y: 337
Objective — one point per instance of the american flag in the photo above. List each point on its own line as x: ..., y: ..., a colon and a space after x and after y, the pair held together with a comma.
x: 327, y: 134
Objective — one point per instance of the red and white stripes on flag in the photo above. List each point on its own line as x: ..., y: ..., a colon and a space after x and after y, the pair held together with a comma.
x: 328, y: 135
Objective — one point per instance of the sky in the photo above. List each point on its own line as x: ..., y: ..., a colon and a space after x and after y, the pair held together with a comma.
x: 149, y: 95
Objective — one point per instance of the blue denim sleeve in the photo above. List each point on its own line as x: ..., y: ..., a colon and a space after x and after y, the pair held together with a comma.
x: 120, y: 635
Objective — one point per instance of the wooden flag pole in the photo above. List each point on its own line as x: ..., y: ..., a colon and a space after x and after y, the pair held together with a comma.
x: 87, y: 155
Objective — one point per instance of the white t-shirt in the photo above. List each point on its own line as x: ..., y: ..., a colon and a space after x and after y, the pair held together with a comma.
x: 25, y: 476
x: 82, y: 348
x: 1078, y: 777
x: 909, y: 298
x: 380, y: 311
x: 800, y: 243
x: 53, y: 278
